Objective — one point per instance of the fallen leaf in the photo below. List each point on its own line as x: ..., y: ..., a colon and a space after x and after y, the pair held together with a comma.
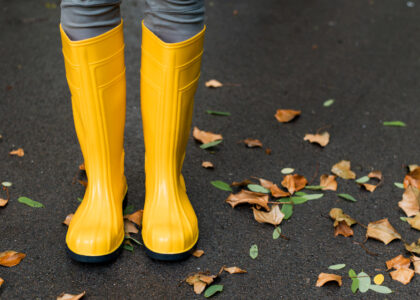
x: 394, y: 123
x: 253, y: 251
x: 83, y: 182
x: 287, y: 209
x: 403, y: 275
x: 6, y: 184
x: 286, y: 115
x: 207, y: 164
x: 328, y: 182
x: 234, y: 270
x: 410, y: 202
x: 221, y: 185
x: 276, y: 233
x: 206, y: 137
x: 328, y: 103
x: 347, y: 197
x: 399, y: 185
x: 325, y: 277
x: 30, y: 202
x: 241, y: 183
x: 364, y: 282
x: 412, y: 167
x: 383, y: 231
x: 363, y: 179
x: 19, y: 152
x: 198, y: 253
x: 378, y: 279
x: 253, y: 143
x: 375, y: 174
x: 82, y: 167
x: 200, y: 280
x: 268, y: 151
x: 413, y: 178
x: 338, y: 215
x: 257, y: 188
x: 68, y: 219
x: 342, y: 170
x: 211, y: 290
x: 3, y: 202
x: 129, y: 227
x: 249, y: 197
x: 10, y: 258
x: 343, y: 229
x: 213, y: 83
x: 294, y: 183
x: 65, y: 296
x: 211, y: 144
x: 135, y: 217
x: 218, y: 113
x: 337, y: 267
x: 380, y: 288
x: 128, y: 246
x: 369, y: 187
x: 274, y: 216
x: 355, y: 281
x: 398, y: 262
x: 414, y: 222
x: 1, y: 281
x: 287, y: 171
x: 416, y: 263
x: 320, y: 138
x: 413, y: 247
x: 274, y: 189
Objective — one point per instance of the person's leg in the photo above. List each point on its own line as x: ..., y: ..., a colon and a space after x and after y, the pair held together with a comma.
x: 93, y: 50
x: 172, y: 46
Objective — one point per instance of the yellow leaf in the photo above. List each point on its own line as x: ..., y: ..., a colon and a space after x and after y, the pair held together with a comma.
x: 379, y: 279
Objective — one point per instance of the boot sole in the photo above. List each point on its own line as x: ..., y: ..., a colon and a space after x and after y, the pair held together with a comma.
x: 170, y: 257
x: 102, y: 258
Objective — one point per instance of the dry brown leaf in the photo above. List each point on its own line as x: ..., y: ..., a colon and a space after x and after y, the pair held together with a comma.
x: 251, y: 143
x: 129, y: 227
x: 286, y: 115
x: 213, y: 83
x: 338, y: 215
x: 205, y: 136
x: 274, y: 216
x: 268, y: 151
x: 82, y: 167
x: 342, y: 170
x: 328, y: 182
x: 414, y: 222
x: 19, y: 152
x: 234, y: 270
x: 241, y: 183
x: 398, y: 262
x: 249, y: 197
x: 3, y: 202
x: 325, y: 277
x: 369, y: 187
x: 294, y: 183
x: 320, y: 138
x: 343, y: 229
x: 135, y: 217
x: 274, y: 189
x: 410, y: 202
x: 207, y: 164
x: 1, y: 281
x: 383, y: 231
x: 200, y: 280
x: 416, y: 263
x: 375, y: 174
x: 413, y: 178
x: 11, y: 258
x: 65, y: 296
x: 403, y: 275
x: 198, y: 253
x: 413, y: 247
x: 68, y: 219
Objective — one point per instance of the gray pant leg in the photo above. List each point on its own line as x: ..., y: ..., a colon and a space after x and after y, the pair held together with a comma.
x: 174, y: 21
x: 83, y: 19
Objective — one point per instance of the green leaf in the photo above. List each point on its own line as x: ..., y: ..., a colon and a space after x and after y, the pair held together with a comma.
x: 287, y: 170
x: 134, y: 240
x: 305, y: 198
x: 395, y: 123
x: 221, y: 185
x: 352, y: 274
x: 300, y: 194
x: 380, y: 289
x: 6, y: 184
x: 298, y: 200
x: 364, y: 282
x: 363, y: 179
x: 328, y: 102
x: 258, y: 188
x: 403, y: 219
x: 354, y: 285
x: 287, y: 210
x: 128, y: 247
x: 337, y: 267
x: 399, y: 185
x: 211, y: 144
x: 79, y: 199
x: 347, y: 197
x: 30, y: 202
x: 128, y: 210
x: 314, y: 187
x: 213, y: 289
x: 218, y: 113
x: 276, y: 233
x: 253, y: 251
x: 313, y: 196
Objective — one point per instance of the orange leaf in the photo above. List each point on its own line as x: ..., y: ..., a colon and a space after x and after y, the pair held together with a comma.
x: 413, y: 178
x: 320, y: 138
x: 342, y: 170
x: 274, y: 216
x: 414, y: 222
x: 403, y: 275
x: 1, y: 281
x: 19, y: 152
x: 398, y: 262
x: 375, y: 174
x: 253, y: 143
x: 325, y: 277
x: 410, y: 202
x: 65, y: 296
x: 338, y: 215
x: 10, y: 258
x: 416, y: 263
x: 268, y: 151
x: 200, y: 280
x: 383, y: 231
x: 249, y: 197
x: 68, y: 219
x: 234, y: 270
x: 205, y: 137
x: 328, y: 182
x: 343, y: 229
x: 198, y: 253
x: 369, y: 187
x: 207, y: 164
x: 82, y: 167
x: 129, y: 227
x: 294, y: 183
x: 135, y: 217
x: 3, y: 202
x: 274, y: 189
x: 213, y: 83
x: 286, y: 115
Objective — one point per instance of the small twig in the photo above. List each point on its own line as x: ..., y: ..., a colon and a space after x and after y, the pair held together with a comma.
x: 275, y: 202
x: 364, y: 226
x: 366, y: 249
x: 315, y: 175
x: 322, y: 128
x: 7, y: 193
x: 284, y: 237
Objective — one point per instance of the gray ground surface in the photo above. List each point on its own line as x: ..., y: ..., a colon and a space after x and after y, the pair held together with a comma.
x: 367, y: 59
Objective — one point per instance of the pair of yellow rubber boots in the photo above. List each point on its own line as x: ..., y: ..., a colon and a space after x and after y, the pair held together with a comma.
x: 95, y: 73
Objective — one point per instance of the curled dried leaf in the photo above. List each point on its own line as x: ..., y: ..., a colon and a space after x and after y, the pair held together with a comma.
x: 18, y: 152
x: 342, y: 170
x: 338, y: 216
x: 274, y: 189
x: 414, y: 222
x: 129, y: 227
x: 369, y: 187
x: 135, y: 217
x: 274, y: 216
x: 206, y: 137
x: 251, y: 143
x: 398, y: 262
x: 207, y: 164
x: 343, y: 229
x: 11, y: 258
x: 3, y: 202
x: 65, y: 296
x: 241, y: 183
x: 328, y: 182
x: 383, y: 231
x: 413, y: 178
x: 294, y: 183
x: 200, y: 280
x: 375, y: 174
x: 286, y: 115
x: 410, y: 202
x: 325, y: 277
x: 198, y: 253
x: 213, y: 83
x: 249, y: 197
x: 413, y: 247
x: 68, y: 219
x: 234, y: 270
x: 416, y: 263
x: 403, y: 275
x: 321, y: 139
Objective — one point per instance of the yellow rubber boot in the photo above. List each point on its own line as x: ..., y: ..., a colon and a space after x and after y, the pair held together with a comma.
x: 95, y: 73
x: 169, y: 76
